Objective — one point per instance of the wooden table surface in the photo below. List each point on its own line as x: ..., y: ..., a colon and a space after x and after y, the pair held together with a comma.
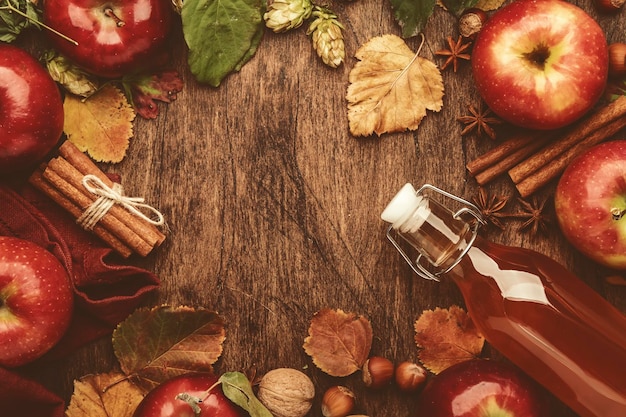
x: 274, y: 208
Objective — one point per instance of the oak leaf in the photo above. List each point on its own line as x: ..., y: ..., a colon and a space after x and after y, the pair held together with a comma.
x: 338, y: 342
x: 100, y: 125
x: 391, y: 88
x: 154, y: 345
x: 104, y: 395
x: 446, y: 337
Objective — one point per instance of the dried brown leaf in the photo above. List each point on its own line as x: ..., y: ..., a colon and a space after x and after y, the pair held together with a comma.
x: 104, y: 395
x: 391, y: 88
x: 100, y: 125
x: 338, y: 342
x: 446, y: 337
x: 154, y: 345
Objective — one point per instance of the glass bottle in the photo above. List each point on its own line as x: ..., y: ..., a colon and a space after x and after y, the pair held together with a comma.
x: 527, y: 306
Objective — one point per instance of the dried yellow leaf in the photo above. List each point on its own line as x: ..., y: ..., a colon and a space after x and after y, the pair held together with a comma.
x: 104, y: 395
x: 100, y: 125
x: 391, y: 88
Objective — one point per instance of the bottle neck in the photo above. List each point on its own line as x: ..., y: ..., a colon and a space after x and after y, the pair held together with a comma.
x: 435, y: 233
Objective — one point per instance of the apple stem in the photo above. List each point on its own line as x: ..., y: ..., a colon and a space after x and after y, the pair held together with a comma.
x: 192, y: 401
x: 208, y: 391
x: 10, y: 7
x: 617, y: 213
x: 110, y: 13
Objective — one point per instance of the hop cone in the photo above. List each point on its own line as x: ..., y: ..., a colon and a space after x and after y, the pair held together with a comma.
x: 283, y: 15
x: 327, y: 37
x: 74, y: 79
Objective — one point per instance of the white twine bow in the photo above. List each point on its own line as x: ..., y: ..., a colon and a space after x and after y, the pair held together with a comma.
x: 107, y: 198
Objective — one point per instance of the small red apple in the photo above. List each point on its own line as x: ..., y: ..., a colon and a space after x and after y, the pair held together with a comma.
x: 590, y: 203
x: 31, y: 110
x: 540, y: 64
x: 36, y: 301
x: 115, y: 37
x: 482, y: 388
x: 165, y: 401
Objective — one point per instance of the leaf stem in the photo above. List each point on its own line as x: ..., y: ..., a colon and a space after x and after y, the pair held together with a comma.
x: 14, y: 9
x: 208, y: 391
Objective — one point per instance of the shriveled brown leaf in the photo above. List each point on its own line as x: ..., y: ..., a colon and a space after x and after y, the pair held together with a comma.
x: 338, y: 342
x: 391, y: 88
x: 104, y: 395
x: 154, y: 345
x: 100, y: 125
x: 146, y: 89
x: 446, y: 337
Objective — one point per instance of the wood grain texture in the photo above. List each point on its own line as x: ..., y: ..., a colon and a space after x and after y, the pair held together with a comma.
x: 273, y: 207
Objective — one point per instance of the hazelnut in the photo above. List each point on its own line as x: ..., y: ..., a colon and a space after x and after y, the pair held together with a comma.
x: 286, y: 392
x: 377, y: 372
x: 338, y: 401
x: 410, y: 376
x: 617, y: 59
x: 610, y: 6
x: 471, y: 22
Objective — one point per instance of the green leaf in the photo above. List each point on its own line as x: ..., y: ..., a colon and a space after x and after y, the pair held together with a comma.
x: 457, y: 7
x: 412, y: 15
x: 16, y: 16
x: 237, y: 388
x: 154, y: 345
x: 222, y: 35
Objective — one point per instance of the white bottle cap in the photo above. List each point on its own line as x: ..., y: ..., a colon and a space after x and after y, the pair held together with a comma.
x: 405, y: 203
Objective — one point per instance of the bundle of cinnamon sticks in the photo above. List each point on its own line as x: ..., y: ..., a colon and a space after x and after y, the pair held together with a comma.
x: 61, y: 179
x: 532, y: 159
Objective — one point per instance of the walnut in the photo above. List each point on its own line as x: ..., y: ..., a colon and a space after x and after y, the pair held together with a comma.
x: 286, y: 392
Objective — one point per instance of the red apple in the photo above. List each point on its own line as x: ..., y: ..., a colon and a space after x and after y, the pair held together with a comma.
x: 540, y: 64
x: 590, y: 202
x: 36, y: 301
x: 482, y: 388
x: 115, y: 37
x: 31, y: 110
x: 164, y: 400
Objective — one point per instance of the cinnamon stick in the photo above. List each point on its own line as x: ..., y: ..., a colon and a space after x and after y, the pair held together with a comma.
x: 555, y: 167
x: 581, y: 130
x: 86, y: 166
x: 500, y: 159
x: 68, y: 181
x: 44, y: 186
x: 496, y: 154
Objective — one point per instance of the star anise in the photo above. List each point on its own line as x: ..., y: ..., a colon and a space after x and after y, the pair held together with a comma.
x: 491, y: 206
x: 479, y: 120
x: 534, y: 211
x: 456, y: 51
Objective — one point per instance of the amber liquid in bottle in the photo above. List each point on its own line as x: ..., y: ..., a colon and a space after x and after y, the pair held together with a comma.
x: 531, y: 309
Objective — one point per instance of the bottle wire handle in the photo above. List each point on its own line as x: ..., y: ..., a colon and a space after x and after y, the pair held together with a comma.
x: 417, y: 265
